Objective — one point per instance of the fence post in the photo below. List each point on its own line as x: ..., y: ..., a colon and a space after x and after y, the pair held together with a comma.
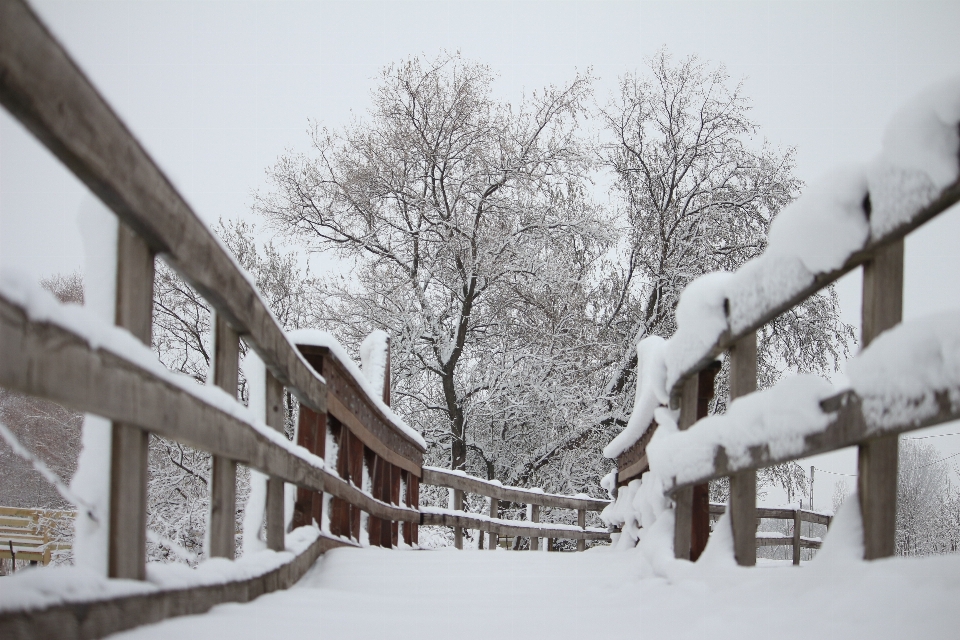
x: 458, y: 506
x: 535, y: 517
x: 275, y: 530
x: 223, y: 491
x: 683, y: 499
x: 130, y: 445
x: 796, y: 536
x: 494, y: 512
x: 743, y: 485
x: 582, y: 523
x: 877, y: 482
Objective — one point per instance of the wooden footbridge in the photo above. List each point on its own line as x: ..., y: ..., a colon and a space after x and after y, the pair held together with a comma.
x: 366, y: 488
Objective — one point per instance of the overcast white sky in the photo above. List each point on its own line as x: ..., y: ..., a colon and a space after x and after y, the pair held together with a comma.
x: 216, y: 91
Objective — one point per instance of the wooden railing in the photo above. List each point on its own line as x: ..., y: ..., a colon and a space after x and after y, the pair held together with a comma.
x: 495, y: 526
x: 111, y: 375
x: 795, y: 514
x: 32, y: 535
x: 882, y: 260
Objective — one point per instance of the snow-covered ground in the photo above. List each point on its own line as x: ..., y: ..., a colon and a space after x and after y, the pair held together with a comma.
x: 374, y: 593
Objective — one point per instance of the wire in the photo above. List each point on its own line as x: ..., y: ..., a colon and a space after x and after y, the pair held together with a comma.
x: 938, y: 435
x: 834, y: 473
x: 940, y: 460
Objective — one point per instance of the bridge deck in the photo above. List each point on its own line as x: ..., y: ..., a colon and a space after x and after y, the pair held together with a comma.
x: 373, y: 593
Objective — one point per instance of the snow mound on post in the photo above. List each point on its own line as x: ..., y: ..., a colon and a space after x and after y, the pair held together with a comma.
x: 779, y: 417
x: 319, y: 338
x: 899, y: 374
x: 651, y: 393
x: 373, y: 359
x: 919, y: 156
x: 701, y: 320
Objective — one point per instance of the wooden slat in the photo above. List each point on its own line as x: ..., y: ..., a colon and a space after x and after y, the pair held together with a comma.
x: 445, y: 478
x: 582, y: 523
x: 351, y: 406
x: 947, y: 198
x: 274, y: 508
x: 47, y: 361
x: 44, y: 89
x: 700, y: 517
x: 223, y: 478
x: 129, y: 444
x: 494, y: 513
x: 796, y: 537
x: 535, y: 517
x: 97, y: 618
x: 458, y: 506
x: 743, y: 485
x: 683, y: 499
x: 471, y: 521
x: 877, y: 477
x: 394, y: 497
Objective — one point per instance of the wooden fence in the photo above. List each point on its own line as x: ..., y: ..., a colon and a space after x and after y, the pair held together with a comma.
x: 882, y: 262
x: 795, y: 514
x: 32, y: 535
x: 45, y: 90
x: 494, y: 526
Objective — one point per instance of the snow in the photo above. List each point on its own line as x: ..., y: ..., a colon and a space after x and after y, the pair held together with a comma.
x: 900, y: 373
x: 779, y: 417
x: 41, y: 306
x: 496, y: 483
x: 47, y: 586
x: 374, y: 351
x: 255, y: 509
x: 91, y: 481
x: 651, y: 393
x: 701, y: 319
x: 319, y: 338
x: 641, y: 592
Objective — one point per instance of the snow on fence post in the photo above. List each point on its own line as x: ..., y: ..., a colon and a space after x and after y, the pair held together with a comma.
x: 275, y: 528
x: 882, y: 309
x: 130, y: 446
x: 223, y: 491
x: 796, y: 536
x: 743, y: 485
x: 458, y: 506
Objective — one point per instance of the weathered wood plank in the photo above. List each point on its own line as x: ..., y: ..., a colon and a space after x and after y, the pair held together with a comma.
x: 351, y: 406
x: 98, y: 618
x: 446, y: 478
x: 472, y: 521
x: 743, y: 485
x: 582, y: 523
x: 130, y: 445
x: 223, y: 478
x: 494, y: 513
x: 48, y: 361
x: 877, y: 478
x: 796, y: 537
x: 44, y: 89
x: 458, y: 506
x: 274, y: 510
x: 535, y: 517
x: 683, y: 499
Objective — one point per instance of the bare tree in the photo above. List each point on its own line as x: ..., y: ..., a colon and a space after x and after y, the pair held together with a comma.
x: 928, y: 506
x: 699, y: 196
x: 449, y: 204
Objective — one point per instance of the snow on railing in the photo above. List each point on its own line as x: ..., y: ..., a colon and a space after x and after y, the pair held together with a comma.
x: 460, y: 483
x: 905, y: 379
x: 78, y: 358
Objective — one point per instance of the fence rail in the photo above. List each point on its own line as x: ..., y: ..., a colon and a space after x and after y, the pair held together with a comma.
x: 50, y: 354
x: 494, y: 526
x: 796, y: 515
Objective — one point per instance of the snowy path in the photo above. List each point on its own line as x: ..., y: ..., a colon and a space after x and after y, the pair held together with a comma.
x: 440, y: 594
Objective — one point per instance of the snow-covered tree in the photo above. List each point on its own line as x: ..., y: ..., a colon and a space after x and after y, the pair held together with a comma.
x: 699, y: 193
x: 472, y: 242
x: 928, y: 505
